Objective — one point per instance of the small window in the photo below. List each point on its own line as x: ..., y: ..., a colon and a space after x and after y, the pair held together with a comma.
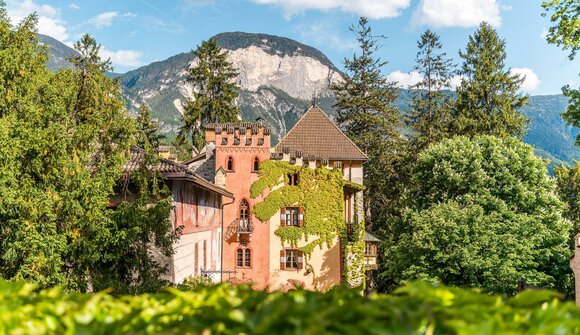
x: 230, y: 164
x: 292, y: 216
x: 240, y: 258
x: 248, y: 258
x: 293, y: 179
x: 243, y: 258
x: 256, y: 166
x: 291, y: 259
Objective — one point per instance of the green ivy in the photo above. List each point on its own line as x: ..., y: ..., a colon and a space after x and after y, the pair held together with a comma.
x: 320, y: 192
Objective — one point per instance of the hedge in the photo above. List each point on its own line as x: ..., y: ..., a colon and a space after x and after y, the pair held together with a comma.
x: 418, y: 308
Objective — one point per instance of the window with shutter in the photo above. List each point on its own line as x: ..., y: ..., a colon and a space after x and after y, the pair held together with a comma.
x: 291, y: 216
x: 291, y: 259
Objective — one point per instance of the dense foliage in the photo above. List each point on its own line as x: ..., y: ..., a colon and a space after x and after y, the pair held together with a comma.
x: 214, y: 92
x: 568, y: 179
x: 64, y: 139
x: 488, y: 99
x: 413, y: 309
x: 481, y: 213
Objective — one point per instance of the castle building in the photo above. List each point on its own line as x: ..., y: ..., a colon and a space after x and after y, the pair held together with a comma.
x: 315, y: 241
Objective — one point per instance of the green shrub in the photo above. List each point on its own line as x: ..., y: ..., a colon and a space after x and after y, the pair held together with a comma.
x: 418, y: 308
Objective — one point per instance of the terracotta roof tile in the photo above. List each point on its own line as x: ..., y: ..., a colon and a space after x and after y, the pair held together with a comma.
x: 316, y: 135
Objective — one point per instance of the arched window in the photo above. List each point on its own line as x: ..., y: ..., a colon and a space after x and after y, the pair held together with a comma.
x: 230, y: 164
x: 256, y: 165
x: 244, y: 215
x: 240, y: 257
x: 248, y: 258
x: 243, y: 257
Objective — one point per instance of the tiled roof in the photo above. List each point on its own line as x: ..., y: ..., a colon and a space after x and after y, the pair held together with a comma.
x: 172, y: 170
x: 316, y: 135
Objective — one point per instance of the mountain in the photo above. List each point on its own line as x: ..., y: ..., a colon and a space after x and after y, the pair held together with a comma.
x: 59, y: 52
x: 278, y: 77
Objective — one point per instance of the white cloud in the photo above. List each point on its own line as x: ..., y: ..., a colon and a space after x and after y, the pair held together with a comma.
x: 405, y: 79
x: 455, y: 81
x: 127, y: 58
x: 49, y: 20
x: 454, y: 13
x: 106, y: 19
x: 374, y: 9
x: 74, y: 6
x: 531, y: 79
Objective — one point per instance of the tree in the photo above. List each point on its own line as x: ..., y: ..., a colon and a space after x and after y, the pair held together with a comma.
x: 147, y: 130
x: 214, y: 92
x: 429, y: 113
x: 365, y: 111
x: 482, y: 213
x: 568, y: 179
x: 566, y: 33
x: 488, y: 101
x: 64, y: 137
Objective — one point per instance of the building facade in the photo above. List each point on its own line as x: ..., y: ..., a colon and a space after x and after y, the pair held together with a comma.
x: 255, y: 248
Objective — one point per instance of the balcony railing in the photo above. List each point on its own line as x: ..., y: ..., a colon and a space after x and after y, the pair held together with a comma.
x: 240, y: 228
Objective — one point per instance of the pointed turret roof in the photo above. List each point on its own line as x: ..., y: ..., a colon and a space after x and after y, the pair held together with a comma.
x: 316, y: 135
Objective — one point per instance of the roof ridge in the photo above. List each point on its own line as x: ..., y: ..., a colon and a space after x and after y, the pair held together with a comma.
x: 295, y: 125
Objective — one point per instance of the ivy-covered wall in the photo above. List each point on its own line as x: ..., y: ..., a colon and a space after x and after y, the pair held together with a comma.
x: 320, y: 192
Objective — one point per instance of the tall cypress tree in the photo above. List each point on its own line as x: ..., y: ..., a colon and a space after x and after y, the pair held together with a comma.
x: 429, y: 113
x: 365, y: 111
x: 488, y: 101
x: 214, y: 92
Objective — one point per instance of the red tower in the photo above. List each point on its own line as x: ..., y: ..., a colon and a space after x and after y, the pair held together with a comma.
x: 239, y: 151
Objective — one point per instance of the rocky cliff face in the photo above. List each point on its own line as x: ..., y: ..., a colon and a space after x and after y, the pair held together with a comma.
x: 278, y: 77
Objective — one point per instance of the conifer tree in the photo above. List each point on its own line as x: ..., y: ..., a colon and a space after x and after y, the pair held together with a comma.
x: 365, y: 112
x: 488, y: 101
x: 148, y: 135
x: 214, y: 92
x: 429, y: 112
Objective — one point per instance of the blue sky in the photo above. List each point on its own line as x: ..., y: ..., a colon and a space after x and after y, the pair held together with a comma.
x: 137, y: 32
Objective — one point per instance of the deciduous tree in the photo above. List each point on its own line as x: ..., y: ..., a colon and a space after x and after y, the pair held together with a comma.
x: 483, y: 213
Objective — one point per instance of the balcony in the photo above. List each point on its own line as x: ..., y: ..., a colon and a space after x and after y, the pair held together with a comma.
x: 241, y: 229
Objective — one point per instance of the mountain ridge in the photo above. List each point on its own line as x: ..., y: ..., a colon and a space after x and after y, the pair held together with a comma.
x: 277, y: 75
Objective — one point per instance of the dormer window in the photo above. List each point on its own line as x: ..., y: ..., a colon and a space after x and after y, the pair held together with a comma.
x: 293, y: 179
x: 230, y: 164
x: 256, y: 165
